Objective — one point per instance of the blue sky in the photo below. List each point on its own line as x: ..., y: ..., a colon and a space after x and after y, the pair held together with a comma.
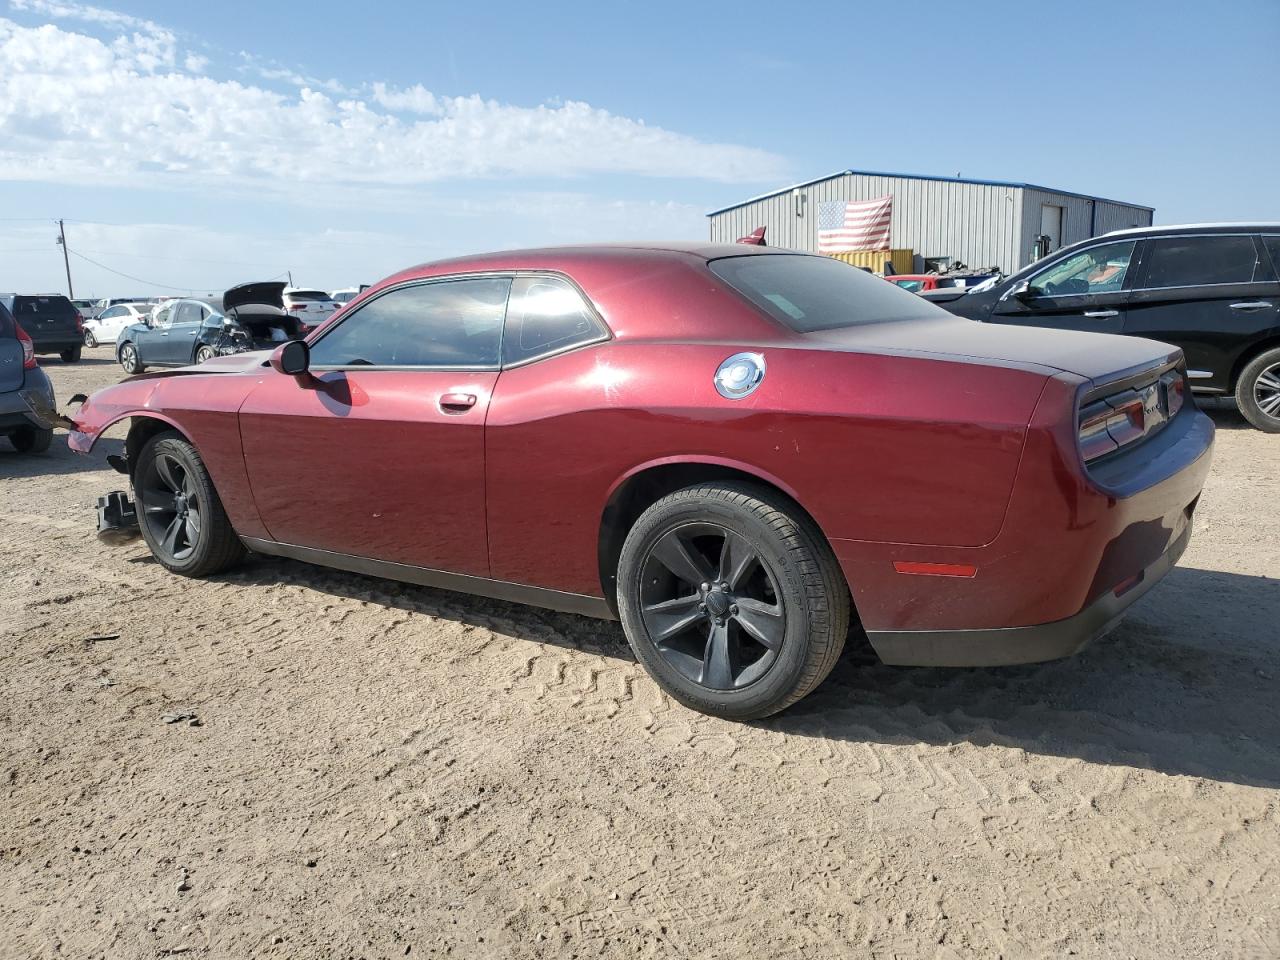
x: 198, y: 145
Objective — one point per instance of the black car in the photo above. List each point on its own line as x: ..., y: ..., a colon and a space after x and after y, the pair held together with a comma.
x: 51, y: 320
x: 1211, y: 289
x: 182, y: 332
x: 25, y: 389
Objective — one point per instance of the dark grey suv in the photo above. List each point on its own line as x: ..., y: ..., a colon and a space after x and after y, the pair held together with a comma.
x: 24, y: 388
x: 1211, y: 289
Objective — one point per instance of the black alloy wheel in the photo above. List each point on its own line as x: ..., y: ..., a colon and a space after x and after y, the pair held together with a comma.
x: 732, y: 599
x: 171, y: 506
x: 711, y: 607
x: 179, y: 512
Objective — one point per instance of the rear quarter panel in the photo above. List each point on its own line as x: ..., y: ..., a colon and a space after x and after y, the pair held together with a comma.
x: 875, y: 447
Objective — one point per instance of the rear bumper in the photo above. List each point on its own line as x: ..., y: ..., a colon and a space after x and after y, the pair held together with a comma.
x: 16, y: 405
x: 1004, y: 646
x: 58, y: 344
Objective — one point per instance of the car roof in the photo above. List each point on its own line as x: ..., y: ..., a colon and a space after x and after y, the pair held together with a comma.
x: 1224, y: 226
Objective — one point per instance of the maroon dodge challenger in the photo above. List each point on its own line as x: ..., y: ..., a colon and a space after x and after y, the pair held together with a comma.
x: 737, y: 451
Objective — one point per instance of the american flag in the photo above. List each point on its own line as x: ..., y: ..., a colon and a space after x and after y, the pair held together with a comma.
x: 857, y: 225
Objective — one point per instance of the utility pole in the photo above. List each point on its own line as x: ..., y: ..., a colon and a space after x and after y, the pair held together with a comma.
x: 62, y: 239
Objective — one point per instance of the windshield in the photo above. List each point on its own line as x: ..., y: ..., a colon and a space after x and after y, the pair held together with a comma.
x: 810, y: 293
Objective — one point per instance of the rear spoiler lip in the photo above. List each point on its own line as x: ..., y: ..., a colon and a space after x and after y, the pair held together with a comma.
x: 1121, y: 380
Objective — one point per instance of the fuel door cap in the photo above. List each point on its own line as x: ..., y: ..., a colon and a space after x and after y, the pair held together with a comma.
x: 740, y: 375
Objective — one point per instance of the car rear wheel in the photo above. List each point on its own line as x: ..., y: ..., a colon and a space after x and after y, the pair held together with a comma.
x: 31, y: 439
x: 732, y: 600
x: 129, y: 358
x: 204, y: 353
x: 1258, y: 391
x: 89, y: 339
x: 71, y: 355
x: 180, y: 514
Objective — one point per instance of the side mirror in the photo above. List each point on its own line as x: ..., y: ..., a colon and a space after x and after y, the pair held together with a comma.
x: 1022, y: 292
x: 292, y: 358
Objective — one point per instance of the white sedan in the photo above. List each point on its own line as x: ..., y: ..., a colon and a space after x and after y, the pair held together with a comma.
x: 106, y: 326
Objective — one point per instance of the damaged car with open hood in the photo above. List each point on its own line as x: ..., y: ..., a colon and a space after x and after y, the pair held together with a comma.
x: 251, y: 316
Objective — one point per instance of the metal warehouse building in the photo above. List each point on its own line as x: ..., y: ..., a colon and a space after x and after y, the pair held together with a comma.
x: 981, y: 223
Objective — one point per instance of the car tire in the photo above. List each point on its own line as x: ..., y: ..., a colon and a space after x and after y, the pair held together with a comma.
x: 1258, y: 391
x: 204, y: 353
x: 782, y: 620
x: 89, y: 339
x: 179, y: 512
x: 31, y: 439
x: 71, y: 355
x: 129, y: 359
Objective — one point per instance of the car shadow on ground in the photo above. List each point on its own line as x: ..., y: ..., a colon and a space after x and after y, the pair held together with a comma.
x: 1224, y: 413
x: 1172, y: 689
x: 59, y: 459
x: 84, y: 361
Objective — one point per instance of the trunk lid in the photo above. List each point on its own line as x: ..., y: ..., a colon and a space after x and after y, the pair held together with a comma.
x: 268, y: 293
x: 1094, y: 356
x: 46, y: 318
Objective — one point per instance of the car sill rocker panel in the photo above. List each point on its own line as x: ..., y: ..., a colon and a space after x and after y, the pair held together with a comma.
x: 578, y: 603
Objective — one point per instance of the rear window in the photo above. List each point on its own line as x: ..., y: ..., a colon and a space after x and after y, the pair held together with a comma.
x: 809, y: 293
x: 308, y: 295
x: 1192, y: 261
x: 45, y: 307
x: 6, y: 323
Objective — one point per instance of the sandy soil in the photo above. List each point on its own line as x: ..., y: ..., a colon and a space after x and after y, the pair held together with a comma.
x: 387, y: 771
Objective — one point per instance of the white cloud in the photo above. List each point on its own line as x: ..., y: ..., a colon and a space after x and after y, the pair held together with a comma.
x: 77, y: 108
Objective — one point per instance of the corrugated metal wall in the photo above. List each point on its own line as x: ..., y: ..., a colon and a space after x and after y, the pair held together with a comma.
x: 1080, y: 220
x: 981, y: 225
x: 974, y: 223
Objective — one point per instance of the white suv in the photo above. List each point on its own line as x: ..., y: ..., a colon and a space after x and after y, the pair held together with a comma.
x: 309, y: 307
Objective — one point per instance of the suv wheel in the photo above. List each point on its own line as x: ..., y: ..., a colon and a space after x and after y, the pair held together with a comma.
x: 71, y: 355
x: 129, y: 358
x: 180, y: 514
x: 1258, y: 391
x: 732, y: 600
x: 31, y: 439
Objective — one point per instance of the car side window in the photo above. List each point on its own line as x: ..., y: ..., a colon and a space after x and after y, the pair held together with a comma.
x: 186, y: 313
x: 1199, y: 261
x: 161, y: 317
x: 1099, y: 269
x: 545, y: 315
x: 451, y: 323
x: 111, y: 313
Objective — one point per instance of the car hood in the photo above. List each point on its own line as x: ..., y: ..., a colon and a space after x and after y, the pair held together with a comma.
x: 1090, y: 355
x: 269, y: 293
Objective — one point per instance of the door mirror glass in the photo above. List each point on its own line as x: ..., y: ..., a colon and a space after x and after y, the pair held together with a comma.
x: 292, y: 359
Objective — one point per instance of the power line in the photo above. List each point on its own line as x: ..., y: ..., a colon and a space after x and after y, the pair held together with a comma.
x: 150, y: 283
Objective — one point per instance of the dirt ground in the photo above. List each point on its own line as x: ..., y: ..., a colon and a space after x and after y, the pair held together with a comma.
x: 390, y: 771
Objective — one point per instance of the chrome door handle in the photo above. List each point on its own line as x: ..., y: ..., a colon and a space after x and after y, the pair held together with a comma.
x: 1251, y: 305
x: 1101, y: 314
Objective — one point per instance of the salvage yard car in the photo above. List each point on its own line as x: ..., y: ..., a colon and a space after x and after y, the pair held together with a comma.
x: 24, y: 387
x: 735, y: 450
x: 183, y: 332
x: 107, y: 326
x: 1211, y: 289
x: 50, y: 321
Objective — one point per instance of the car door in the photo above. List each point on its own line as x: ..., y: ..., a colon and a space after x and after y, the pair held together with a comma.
x: 151, y: 336
x: 1213, y: 295
x: 379, y: 452
x: 184, y: 328
x: 1084, y: 290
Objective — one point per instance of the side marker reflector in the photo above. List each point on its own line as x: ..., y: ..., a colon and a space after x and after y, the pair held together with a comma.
x: 921, y: 569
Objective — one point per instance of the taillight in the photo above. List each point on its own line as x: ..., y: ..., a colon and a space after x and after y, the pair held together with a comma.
x: 79, y: 322
x: 1114, y: 422
x: 297, y: 306
x: 28, y: 349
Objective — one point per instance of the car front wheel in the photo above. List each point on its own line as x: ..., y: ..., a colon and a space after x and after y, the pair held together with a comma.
x: 129, y: 358
x: 180, y: 514
x: 1258, y: 391
x: 732, y: 600
x: 89, y: 339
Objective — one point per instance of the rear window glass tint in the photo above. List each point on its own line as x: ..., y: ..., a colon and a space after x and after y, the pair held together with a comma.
x: 308, y: 296
x: 809, y: 293
x: 45, y: 307
x: 1192, y: 261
